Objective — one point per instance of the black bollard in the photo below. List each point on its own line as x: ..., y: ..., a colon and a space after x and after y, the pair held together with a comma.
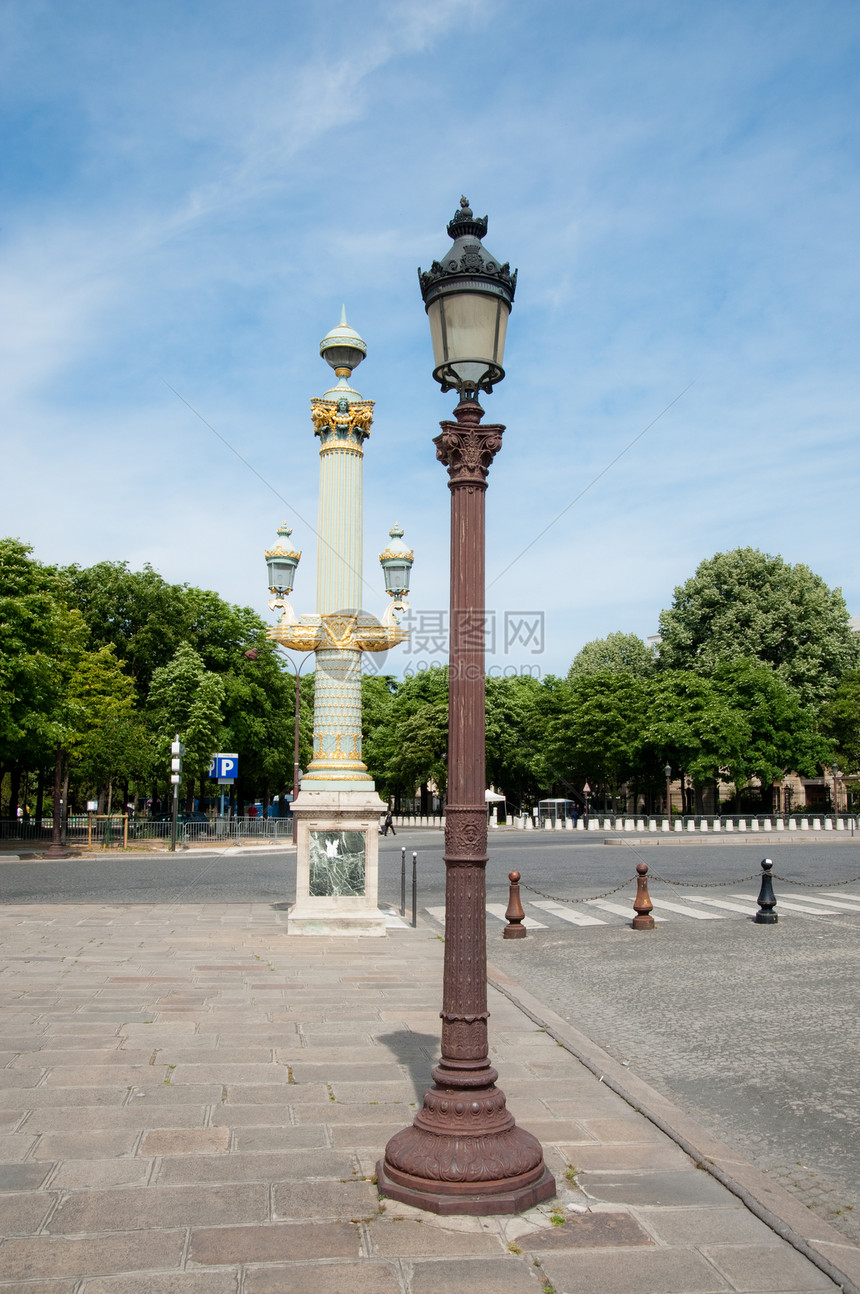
x: 766, y: 897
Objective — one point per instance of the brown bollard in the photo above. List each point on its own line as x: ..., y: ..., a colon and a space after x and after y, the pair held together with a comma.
x: 514, y: 914
x: 642, y: 904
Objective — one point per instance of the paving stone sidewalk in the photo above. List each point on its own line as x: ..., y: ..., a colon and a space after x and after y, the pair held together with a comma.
x: 191, y: 1102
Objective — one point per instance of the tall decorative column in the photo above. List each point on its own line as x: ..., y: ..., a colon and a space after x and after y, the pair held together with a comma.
x: 337, y: 810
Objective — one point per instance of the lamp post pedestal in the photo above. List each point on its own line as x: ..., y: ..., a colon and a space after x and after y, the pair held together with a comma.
x: 464, y: 1153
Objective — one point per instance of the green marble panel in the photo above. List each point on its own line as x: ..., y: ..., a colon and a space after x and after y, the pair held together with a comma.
x: 337, y: 863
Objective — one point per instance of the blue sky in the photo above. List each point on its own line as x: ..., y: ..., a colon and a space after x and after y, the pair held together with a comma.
x: 191, y: 190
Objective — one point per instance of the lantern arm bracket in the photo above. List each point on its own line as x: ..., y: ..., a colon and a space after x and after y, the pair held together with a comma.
x: 283, y: 604
x: 390, y: 615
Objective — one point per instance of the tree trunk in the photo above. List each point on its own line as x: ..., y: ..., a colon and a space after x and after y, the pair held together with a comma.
x: 14, y: 790
x: 40, y: 800
x: 65, y: 817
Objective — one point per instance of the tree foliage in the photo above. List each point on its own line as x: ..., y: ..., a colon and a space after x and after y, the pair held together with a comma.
x: 186, y: 699
x: 747, y: 604
x: 595, y: 731
x: 618, y: 653
x: 840, y: 722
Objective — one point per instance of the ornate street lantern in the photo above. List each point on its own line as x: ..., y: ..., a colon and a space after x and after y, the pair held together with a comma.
x: 468, y: 296
x: 282, y: 561
x: 396, y: 563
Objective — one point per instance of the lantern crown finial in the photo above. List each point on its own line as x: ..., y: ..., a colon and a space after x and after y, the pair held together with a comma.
x: 464, y: 221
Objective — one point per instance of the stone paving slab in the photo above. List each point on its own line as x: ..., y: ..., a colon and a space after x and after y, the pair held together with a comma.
x: 174, y: 1121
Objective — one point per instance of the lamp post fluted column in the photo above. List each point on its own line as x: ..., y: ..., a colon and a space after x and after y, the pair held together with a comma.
x: 464, y: 1153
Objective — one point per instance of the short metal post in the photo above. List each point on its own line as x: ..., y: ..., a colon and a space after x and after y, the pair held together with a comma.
x: 514, y: 914
x: 642, y: 904
x: 414, y: 890
x: 174, y: 817
x: 766, y: 897
x: 403, y: 882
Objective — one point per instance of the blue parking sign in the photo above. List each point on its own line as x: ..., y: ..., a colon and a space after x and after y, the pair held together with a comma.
x: 224, y: 768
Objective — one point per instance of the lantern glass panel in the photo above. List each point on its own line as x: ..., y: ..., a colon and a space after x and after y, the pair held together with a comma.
x: 396, y: 579
x: 281, y: 573
x: 467, y: 328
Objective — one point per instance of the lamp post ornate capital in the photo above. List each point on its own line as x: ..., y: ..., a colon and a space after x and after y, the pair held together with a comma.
x: 467, y: 449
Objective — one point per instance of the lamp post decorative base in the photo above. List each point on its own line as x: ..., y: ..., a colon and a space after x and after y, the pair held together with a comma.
x: 464, y: 1154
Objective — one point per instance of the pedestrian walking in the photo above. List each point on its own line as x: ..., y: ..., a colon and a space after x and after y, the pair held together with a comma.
x: 388, y: 825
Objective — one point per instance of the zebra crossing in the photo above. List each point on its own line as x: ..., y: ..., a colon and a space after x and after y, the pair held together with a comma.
x: 547, y: 914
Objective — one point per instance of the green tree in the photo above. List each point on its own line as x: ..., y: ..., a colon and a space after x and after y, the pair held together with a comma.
x: 595, y: 729
x: 409, y: 747
x: 694, y: 727
x: 106, y: 739
x: 748, y: 604
x: 781, y: 734
x: 137, y: 612
x: 840, y: 721
x: 618, y: 653
x: 40, y: 638
x: 186, y: 698
x: 513, y: 736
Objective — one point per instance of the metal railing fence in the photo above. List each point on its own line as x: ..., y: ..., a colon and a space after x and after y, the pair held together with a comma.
x: 82, y: 825
x: 703, y: 823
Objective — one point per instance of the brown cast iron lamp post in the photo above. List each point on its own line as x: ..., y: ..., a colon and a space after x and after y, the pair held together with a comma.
x: 464, y: 1152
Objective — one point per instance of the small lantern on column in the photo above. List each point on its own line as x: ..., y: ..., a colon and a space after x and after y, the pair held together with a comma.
x: 282, y: 561
x: 396, y: 562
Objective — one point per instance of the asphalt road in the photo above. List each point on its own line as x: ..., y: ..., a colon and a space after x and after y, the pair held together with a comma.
x: 752, y: 1029
x: 562, y: 865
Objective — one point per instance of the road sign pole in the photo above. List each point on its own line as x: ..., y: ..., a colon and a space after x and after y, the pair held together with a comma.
x: 177, y: 750
x: 175, y: 818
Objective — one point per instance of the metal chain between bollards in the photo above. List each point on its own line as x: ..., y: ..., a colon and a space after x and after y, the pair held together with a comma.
x: 588, y: 899
x: 814, y: 885
x: 696, y: 885
x: 702, y: 885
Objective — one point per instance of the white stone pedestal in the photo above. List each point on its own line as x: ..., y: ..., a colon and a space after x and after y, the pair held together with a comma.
x: 337, y: 864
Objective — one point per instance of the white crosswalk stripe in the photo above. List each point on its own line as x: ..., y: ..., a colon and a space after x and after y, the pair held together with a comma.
x: 498, y: 910
x: 687, y: 906
x: 619, y: 911
x: 660, y: 904
x: 719, y: 903
x: 789, y: 906
x: 851, y: 898
x: 569, y: 914
x: 836, y: 903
